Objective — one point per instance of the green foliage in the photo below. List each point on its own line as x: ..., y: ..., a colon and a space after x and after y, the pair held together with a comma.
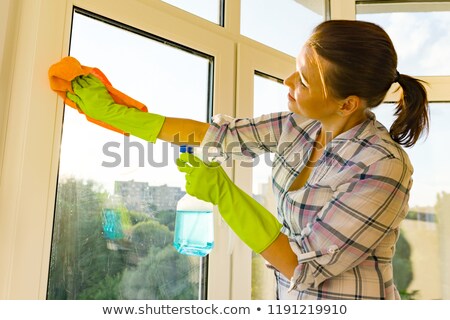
x: 107, y: 289
x: 406, y: 295
x: 402, y: 265
x: 166, y: 218
x: 80, y: 260
x: 148, y: 234
x: 136, y: 217
x: 86, y: 265
x: 162, y: 274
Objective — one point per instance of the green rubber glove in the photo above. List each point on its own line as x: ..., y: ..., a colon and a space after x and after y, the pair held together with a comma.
x: 253, y: 223
x: 93, y: 99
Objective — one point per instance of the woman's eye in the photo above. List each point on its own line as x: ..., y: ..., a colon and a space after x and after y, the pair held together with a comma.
x: 299, y: 79
x: 301, y: 82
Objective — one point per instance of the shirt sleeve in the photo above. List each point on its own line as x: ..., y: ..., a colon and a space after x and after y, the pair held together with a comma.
x: 244, y: 138
x: 349, y: 227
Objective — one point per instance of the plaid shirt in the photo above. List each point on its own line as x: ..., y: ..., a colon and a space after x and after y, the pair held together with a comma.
x: 344, y: 222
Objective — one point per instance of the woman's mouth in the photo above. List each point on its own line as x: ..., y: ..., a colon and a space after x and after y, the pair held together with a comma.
x: 291, y: 98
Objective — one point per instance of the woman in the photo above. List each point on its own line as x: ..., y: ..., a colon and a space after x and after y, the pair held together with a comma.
x: 341, y: 179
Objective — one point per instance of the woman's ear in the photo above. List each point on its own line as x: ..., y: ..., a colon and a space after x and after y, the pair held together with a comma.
x: 350, y: 105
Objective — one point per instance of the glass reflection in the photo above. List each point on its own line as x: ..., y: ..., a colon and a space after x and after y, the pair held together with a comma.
x: 422, y: 259
x: 116, y: 196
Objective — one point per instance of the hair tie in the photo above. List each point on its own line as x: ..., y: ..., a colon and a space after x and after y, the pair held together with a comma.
x: 397, y: 76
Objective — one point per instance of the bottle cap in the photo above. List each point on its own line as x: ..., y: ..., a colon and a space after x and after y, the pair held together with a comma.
x: 188, y: 149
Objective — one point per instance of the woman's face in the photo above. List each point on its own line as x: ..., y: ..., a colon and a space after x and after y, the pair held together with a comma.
x: 307, y: 95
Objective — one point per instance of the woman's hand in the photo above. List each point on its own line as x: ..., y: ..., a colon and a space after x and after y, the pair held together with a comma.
x: 92, y: 97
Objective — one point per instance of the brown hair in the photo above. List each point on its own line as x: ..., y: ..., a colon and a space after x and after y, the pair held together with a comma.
x: 364, y: 63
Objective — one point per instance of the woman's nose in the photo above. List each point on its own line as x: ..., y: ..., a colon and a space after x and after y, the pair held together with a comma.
x: 289, y: 80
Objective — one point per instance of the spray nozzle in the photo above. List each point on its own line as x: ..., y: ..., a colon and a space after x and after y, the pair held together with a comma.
x: 186, y: 149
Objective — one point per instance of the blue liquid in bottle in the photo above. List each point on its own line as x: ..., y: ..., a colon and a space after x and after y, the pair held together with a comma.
x: 194, y: 233
x: 194, y: 226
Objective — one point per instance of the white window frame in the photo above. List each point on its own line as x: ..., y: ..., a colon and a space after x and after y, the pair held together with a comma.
x: 252, y: 57
x: 32, y: 137
x: 34, y: 35
x: 437, y: 87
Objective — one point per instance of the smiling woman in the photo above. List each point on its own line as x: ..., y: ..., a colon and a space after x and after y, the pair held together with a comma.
x: 54, y: 189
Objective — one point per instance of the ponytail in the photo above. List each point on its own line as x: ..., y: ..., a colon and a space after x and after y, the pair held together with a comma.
x: 365, y: 65
x: 412, y: 112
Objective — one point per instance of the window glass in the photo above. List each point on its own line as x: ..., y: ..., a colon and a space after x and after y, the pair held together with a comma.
x: 210, y: 10
x: 283, y: 24
x: 421, y: 39
x: 269, y: 96
x: 127, y: 252
x: 422, y: 258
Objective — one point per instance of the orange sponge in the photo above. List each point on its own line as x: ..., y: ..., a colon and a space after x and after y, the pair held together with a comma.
x: 62, y: 73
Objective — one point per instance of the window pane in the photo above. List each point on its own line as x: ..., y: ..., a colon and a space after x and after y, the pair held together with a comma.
x: 269, y: 96
x: 421, y: 39
x: 283, y: 24
x: 126, y: 253
x: 423, y: 259
x: 210, y: 10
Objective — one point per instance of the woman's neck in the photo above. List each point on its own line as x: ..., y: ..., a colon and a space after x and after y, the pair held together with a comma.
x: 331, y: 128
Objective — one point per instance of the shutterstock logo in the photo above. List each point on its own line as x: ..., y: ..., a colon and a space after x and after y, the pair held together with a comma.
x: 148, y: 154
x: 120, y: 154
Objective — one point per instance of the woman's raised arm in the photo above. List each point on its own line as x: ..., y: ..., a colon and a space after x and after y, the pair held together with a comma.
x: 183, y: 131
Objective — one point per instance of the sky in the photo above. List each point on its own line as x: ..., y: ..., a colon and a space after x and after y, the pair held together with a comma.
x: 174, y: 83
x: 421, y: 39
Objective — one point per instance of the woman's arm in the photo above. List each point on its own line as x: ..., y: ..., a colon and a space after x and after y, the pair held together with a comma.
x: 280, y: 255
x: 183, y: 131
x: 245, y: 138
x: 253, y: 223
x: 92, y: 97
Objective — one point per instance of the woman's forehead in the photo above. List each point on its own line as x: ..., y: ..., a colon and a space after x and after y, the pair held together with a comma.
x: 312, y: 67
x: 307, y: 61
x: 300, y: 61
